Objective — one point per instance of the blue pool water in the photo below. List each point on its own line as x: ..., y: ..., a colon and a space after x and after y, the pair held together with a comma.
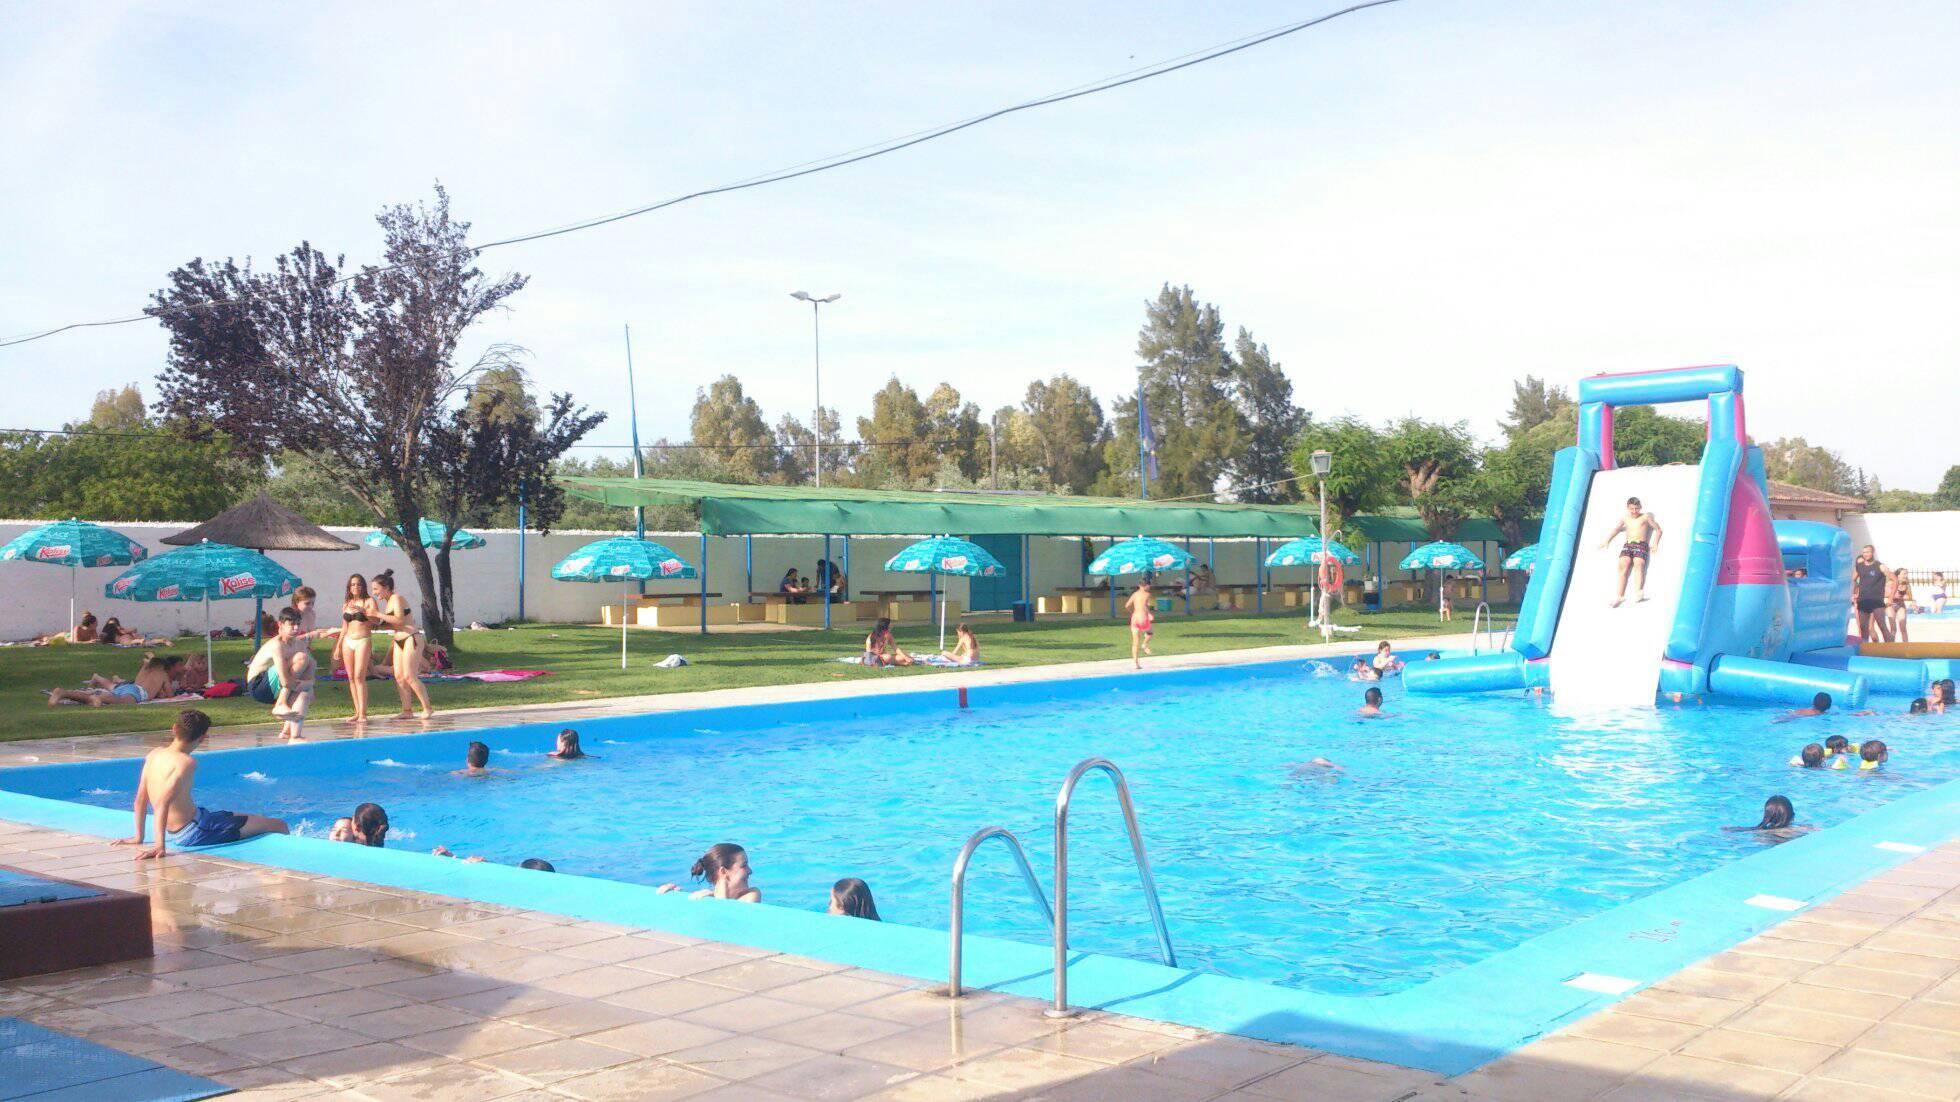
x: 1456, y: 827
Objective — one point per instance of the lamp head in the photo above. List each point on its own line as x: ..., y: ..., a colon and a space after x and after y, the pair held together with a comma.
x: 1323, y: 462
x: 804, y: 295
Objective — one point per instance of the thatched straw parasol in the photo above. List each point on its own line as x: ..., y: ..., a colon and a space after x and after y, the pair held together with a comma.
x: 262, y: 524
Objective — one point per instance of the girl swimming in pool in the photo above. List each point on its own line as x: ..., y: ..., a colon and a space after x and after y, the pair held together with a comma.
x: 725, y: 869
x: 851, y: 896
x: 568, y: 747
x: 1778, y: 822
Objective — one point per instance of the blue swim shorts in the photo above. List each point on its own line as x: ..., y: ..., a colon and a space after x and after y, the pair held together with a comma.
x: 209, y: 828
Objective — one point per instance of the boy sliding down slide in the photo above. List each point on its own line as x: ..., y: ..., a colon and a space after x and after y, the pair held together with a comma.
x: 1643, y: 534
x: 166, y: 785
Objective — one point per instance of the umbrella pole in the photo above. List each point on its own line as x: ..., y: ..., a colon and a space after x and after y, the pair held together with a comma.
x: 625, y: 591
x: 209, y: 673
x: 942, y: 621
x: 70, y: 629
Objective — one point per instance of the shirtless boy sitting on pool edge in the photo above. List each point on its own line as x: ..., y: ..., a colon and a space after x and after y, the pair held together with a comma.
x: 166, y: 785
x: 1643, y: 534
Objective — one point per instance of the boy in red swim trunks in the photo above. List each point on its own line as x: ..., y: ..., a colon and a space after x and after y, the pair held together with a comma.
x: 1643, y: 534
x: 1142, y: 622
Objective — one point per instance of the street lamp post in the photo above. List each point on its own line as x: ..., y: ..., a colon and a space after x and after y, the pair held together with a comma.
x: 816, y: 355
x: 1323, y: 464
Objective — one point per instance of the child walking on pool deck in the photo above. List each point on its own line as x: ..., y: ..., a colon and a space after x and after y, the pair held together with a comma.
x: 1643, y: 534
x: 1142, y: 622
x: 166, y: 786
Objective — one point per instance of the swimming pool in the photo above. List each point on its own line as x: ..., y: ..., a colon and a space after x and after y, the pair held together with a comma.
x: 1455, y: 831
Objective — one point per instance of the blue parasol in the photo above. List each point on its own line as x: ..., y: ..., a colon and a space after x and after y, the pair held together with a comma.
x: 75, y: 544
x: 1142, y: 555
x: 622, y: 559
x: 432, y: 534
x: 1306, y: 552
x: 946, y: 555
x: 1442, y: 555
x: 204, y: 572
x: 1524, y: 558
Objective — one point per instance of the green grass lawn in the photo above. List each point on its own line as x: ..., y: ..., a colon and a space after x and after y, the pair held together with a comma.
x: 584, y: 663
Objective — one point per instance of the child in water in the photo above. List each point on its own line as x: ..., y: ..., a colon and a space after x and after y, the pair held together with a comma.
x: 1811, y: 757
x: 1778, y: 823
x: 725, y: 869
x: 1819, y: 704
x: 1385, y: 662
x: 476, y: 762
x: 568, y: 747
x: 1362, y: 671
x: 1371, y: 703
x: 852, y: 897
x: 1871, y: 755
x: 1835, y: 745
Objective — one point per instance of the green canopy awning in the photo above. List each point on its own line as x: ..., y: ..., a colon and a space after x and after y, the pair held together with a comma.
x: 733, y: 510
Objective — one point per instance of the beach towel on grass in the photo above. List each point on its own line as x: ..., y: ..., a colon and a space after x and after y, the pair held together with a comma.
x: 939, y: 661
x: 500, y: 676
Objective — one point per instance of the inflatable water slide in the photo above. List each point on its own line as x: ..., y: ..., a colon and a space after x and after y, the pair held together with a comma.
x: 1736, y: 604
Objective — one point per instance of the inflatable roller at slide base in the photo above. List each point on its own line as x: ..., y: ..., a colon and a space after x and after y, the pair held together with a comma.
x: 1738, y: 678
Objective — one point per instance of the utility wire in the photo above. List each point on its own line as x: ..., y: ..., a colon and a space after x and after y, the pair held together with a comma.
x: 808, y: 168
x: 929, y: 441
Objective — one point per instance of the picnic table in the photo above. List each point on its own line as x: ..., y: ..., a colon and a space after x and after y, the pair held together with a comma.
x: 898, y: 594
x: 683, y: 600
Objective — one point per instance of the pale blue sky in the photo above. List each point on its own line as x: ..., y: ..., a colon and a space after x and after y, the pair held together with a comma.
x: 1411, y: 205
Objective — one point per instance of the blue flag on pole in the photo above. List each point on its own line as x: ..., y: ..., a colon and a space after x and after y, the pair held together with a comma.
x: 1146, y: 443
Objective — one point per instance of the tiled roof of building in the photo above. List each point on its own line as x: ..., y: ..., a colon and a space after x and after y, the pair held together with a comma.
x: 1789, y: 493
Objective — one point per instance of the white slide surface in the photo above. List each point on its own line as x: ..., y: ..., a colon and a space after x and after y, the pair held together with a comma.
x: 1606, y: 657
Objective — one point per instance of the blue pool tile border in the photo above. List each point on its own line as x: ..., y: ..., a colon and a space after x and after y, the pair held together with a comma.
x: 1448, y: 1025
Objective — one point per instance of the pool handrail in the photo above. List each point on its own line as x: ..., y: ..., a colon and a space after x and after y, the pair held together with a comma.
x: 1060, y: 1009
x: 1481, y: 616
x: 956, y: 932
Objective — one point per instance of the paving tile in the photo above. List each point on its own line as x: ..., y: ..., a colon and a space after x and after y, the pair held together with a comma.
x: 1222, y: 1063
x: 485, y: 1038
x: 406, y: 1021
x: 651, y: 1080
x: 1923, y: 1078
x: 281, y: 1045
x: 553, y: 1060
x: 1929, y: 1015
x: 348, y: 1067
x: 1587, y: 1054
x: 832, y: 1078
x: 831, y: 1033
x: 1129, y: 1084
x: 1657, y: 1034
x: 1315, y: 1082
x: 1758, y: 1050
x: 235, y: 1022
x: 1680, y: 1071
x: 1870, y: 980
x: 1828, y: 1000
x: 1713, y: 983
x: 340, y: 1003
x: 1022, y: 1069
x: 1900, y: 1039
x: 447, y: 1083
x: 658, y: 1037
x: 742, y: 1058
x: 754, y: 1014
x: 1676, y: 1006
x: 575, y: 1019
x: 831, y: 992
x: 1801, y: 1025
x: 756, y: 975
x: 671, y: 997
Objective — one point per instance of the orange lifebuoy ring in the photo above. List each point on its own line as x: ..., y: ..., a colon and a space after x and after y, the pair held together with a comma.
x: 1332, y: 577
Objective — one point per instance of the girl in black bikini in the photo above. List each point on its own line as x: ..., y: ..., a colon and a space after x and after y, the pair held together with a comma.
x: 407, y: 655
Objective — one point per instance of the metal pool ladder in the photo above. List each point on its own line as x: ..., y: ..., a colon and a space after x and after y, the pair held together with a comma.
x: 1482, y: 616
x: 1058, y: 915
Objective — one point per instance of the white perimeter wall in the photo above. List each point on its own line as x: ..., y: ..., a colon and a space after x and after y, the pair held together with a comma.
x: 1920, y: 542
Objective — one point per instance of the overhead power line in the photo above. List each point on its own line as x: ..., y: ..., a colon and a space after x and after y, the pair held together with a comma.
x: 807, y: 168
x: 929, y: 441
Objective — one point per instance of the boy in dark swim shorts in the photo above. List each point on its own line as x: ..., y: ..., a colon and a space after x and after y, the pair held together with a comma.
x: 1643, y: 534
x: 166, y: 786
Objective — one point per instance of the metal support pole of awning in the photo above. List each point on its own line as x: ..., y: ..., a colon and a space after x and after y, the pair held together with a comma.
x: 704, y: 583
x: 1258, y: 574
x: 826, y: 570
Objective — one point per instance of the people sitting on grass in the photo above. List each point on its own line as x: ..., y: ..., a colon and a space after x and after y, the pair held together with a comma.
x: 166, y: 787
x: 296, y: 696
x: 83, y: 632
x: 725, y: 870
x: 852, y: 897
x: 156, y: 679
x: 966, y: 648
x: 476, y: 762
x: 880, y: 649
x: 568, y: 747
x: 115, y: 635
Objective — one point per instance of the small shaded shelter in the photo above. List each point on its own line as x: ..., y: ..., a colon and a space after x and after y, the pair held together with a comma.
x: 262, y: 525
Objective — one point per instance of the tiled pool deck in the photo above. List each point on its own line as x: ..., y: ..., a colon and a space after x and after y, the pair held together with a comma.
x: 293, y: 986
